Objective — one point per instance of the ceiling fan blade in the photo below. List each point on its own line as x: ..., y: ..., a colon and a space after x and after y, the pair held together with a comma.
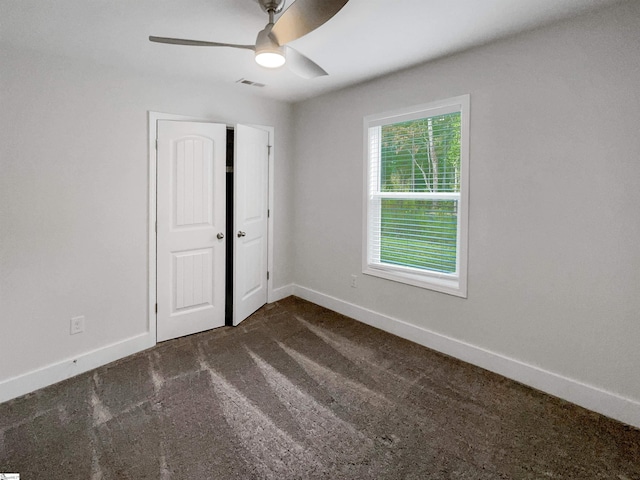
x: 198, y: 43
x: 304, y: 16
x: 302, y: 65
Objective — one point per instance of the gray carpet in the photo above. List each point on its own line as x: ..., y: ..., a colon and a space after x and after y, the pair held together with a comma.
x: 299, y: 392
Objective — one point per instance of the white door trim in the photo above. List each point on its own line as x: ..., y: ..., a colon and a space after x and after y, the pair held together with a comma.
x: 270, y: 200
x: 153, y: 118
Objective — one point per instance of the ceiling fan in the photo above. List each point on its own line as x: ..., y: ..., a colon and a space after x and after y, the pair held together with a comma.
x: 271, y: 49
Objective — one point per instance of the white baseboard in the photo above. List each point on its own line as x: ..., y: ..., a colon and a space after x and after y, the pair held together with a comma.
x: 592, y: 398
x: 43, y: 377
x: 280, y: 293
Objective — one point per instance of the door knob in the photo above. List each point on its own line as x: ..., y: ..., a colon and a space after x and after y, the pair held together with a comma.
x: 220, y: 236
x: 241, y: 234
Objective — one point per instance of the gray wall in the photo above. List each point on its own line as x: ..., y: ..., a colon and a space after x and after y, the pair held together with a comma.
x: 74, y: 199
x: 554, y: 263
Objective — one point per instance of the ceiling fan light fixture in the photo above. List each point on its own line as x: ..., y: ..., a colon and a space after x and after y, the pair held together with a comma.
x: 270, y: 58
x: 268, y: 53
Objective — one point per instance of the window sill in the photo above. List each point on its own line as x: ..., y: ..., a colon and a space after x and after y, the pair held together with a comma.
x: 450, y: 286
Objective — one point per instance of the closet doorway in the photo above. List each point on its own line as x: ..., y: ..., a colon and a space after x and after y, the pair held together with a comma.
x: 209, y: 207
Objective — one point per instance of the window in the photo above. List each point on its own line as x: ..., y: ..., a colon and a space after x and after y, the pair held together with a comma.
x: 417, y: 163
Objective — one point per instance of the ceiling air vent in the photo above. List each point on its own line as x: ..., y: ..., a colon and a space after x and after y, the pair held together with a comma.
x: 249, y: 82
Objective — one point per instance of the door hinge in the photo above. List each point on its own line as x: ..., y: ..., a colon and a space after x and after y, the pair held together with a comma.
x: 268, y: 213
x: 156, y: 227
x: 156, y: 308
x: 268, y: 149
x: 156, y: 143
x: 267, y: 275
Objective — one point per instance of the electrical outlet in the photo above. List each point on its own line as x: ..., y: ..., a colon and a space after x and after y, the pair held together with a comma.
x: 77, y: 325
x: 354, y: 281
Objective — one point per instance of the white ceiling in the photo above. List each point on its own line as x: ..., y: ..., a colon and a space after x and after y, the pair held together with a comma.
x: 367, y: 38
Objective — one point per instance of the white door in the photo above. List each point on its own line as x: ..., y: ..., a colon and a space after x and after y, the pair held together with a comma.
x: 251, y: 194
x: 190, y: 227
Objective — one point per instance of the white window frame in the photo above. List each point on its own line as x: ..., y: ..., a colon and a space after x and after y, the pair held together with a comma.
x: 453, y: 284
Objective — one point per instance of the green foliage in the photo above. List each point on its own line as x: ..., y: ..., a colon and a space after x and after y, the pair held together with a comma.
x: 420, y: 156
x: 420, y: 234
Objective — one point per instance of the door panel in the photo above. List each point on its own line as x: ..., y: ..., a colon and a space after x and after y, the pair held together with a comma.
x: 192, y: 189
x: 190, y: 214
x: 192, y: 279
x: 251, y: 181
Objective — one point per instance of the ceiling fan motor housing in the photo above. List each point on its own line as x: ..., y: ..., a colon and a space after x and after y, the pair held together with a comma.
x: 275, y: 6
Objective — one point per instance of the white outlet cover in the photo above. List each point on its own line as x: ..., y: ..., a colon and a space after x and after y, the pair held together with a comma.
x: 77, y: 325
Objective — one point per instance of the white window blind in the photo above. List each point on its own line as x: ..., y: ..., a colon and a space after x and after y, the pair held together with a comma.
x: 416, y: 168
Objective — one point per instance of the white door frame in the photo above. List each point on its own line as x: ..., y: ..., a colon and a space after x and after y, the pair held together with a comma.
x: 153, y: 118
